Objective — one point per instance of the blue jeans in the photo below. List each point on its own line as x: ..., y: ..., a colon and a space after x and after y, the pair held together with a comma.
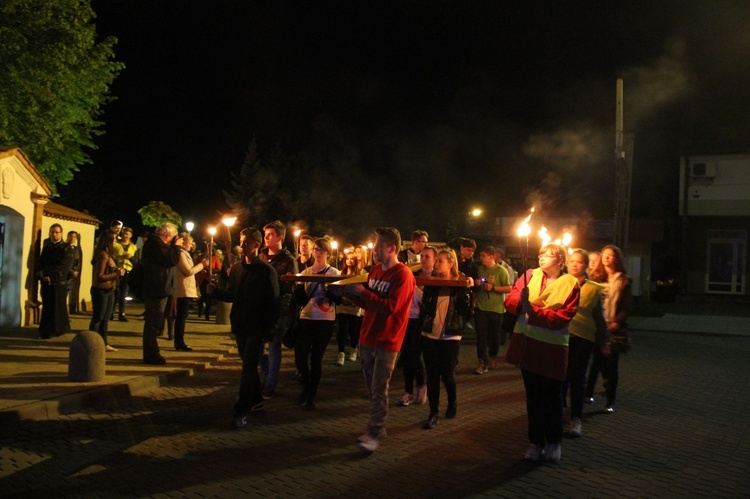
x: 271, y: 364
x: 377, y: 368
x: 103, y: 301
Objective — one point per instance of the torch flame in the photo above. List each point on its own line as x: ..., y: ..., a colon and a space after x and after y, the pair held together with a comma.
x: 524, y: 229
x: 546, y: 238
x: 567, y: 239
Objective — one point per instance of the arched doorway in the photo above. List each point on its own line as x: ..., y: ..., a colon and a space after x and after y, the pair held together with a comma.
x: 11, y: 266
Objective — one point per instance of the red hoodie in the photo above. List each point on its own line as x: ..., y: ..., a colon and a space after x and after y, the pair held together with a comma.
x: 386, y: 300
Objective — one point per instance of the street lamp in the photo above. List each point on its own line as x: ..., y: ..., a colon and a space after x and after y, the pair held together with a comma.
x: 228, y: 222
x: 189, y: 226
x: 476, y: 212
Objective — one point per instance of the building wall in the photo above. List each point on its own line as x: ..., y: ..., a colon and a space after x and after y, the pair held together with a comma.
x: 714, y: 196
x: 17, y: 210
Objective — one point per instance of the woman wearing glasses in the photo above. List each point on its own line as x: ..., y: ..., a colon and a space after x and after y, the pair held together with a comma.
x: 545, y: 300
x: 316, y: 324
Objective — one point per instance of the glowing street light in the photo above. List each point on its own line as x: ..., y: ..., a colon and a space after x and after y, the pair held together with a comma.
x: 476, y: 212
x: 189, y: 226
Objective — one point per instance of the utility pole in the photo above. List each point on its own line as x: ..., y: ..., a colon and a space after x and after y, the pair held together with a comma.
x: 624, y: 145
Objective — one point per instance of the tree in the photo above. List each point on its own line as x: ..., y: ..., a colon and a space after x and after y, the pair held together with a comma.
x: 156, y: 213
x: 54, y: 82
x: 262, y: 191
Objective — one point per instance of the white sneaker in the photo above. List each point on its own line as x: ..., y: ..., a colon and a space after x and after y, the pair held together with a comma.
x: 553, y: 452
x: 406, y: 400
x: 353, y: 355
x: 534, y: 453
x: 342, y: 358
x: 368, y: 443
x: 574, y: 430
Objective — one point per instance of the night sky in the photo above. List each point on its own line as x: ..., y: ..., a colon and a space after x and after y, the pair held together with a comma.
x: 446, y: 105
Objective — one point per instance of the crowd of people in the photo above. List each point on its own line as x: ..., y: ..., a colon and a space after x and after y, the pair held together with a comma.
x: 402, y: 304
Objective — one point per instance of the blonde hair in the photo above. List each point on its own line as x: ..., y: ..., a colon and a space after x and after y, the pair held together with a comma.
x: 451, y: 255
x: 559, y: 252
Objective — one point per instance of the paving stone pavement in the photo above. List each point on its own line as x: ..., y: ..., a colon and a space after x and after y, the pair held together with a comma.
x: 680, y: 430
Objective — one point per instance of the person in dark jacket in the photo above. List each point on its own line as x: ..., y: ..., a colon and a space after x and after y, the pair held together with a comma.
x: 55, y: 270
x: 444, y: 310
x: 160, y: 256
x: 253, y: 289
x: 74, y: 241
x: 280, y: 259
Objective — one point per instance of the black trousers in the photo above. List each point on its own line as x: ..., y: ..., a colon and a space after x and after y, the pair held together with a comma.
x: 543, y: 408
x: 310, y: 345
x: 250, y: 389
x: 440, y: 360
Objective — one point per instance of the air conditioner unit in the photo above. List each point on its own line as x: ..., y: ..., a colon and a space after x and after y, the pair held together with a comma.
x: 703, y: 170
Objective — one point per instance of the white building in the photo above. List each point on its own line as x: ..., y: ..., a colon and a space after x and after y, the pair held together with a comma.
x: 715, y: 213
x: 26, y: 215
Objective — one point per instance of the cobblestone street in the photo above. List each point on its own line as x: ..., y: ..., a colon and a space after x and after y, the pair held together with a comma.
x: 680, y: 430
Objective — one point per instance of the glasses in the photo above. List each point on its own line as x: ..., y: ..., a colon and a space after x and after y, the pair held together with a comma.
x: 545, y: 255
x: 319, y: 249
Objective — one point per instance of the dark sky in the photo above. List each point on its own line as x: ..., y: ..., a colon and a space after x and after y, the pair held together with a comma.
x: 449, y: 104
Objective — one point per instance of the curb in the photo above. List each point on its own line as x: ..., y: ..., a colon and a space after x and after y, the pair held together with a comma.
x: 101, y: 394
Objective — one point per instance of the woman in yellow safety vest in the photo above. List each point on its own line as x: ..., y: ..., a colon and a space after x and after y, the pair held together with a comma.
x: 545, y: 300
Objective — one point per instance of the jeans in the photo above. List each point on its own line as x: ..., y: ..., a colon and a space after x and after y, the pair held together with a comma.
x: 183, y: 308
x: 312, y: 340
x: 153, y: 320
x: 271, y: 364
x: 377, y: 368
x: 103, y: 301
x: 579, y: 352
x: 543, y: 408
x: 440, y: 360
x: 411, y: 356
x: 489, y: 328
x: 250, y: 391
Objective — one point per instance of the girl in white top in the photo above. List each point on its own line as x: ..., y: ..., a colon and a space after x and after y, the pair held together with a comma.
x: 316, y: 324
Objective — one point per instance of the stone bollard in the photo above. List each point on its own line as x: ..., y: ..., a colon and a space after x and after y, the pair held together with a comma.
x: 86, y: 360
x: 223, y: 310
